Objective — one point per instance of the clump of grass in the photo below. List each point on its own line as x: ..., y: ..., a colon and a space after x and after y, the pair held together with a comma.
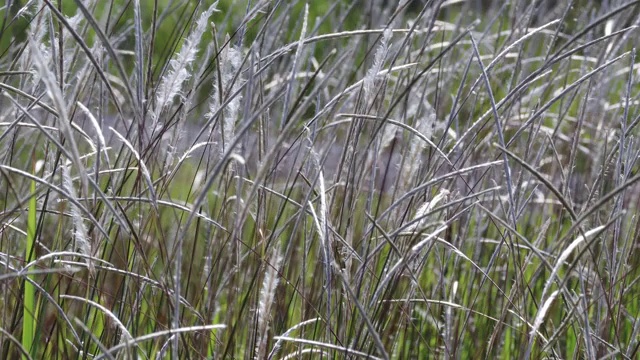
x: 284, y: 180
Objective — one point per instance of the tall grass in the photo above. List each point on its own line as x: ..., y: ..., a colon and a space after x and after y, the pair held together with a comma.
x: 361, y: 179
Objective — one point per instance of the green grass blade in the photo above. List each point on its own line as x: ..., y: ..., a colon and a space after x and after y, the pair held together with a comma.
x: 29, y: 307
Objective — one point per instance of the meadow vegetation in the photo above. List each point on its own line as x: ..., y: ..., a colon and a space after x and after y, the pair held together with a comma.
x: 332, y: 179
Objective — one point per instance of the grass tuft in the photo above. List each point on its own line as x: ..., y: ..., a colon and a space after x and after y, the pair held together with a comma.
x: 289, y: 179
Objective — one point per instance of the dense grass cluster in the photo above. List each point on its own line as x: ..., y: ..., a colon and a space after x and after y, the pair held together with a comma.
x: 278, y: 180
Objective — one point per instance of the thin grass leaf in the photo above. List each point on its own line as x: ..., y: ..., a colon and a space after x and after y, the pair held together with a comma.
x: 30, y: 313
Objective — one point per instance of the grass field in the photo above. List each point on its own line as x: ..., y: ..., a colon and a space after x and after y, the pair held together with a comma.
x: 348, y: 179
